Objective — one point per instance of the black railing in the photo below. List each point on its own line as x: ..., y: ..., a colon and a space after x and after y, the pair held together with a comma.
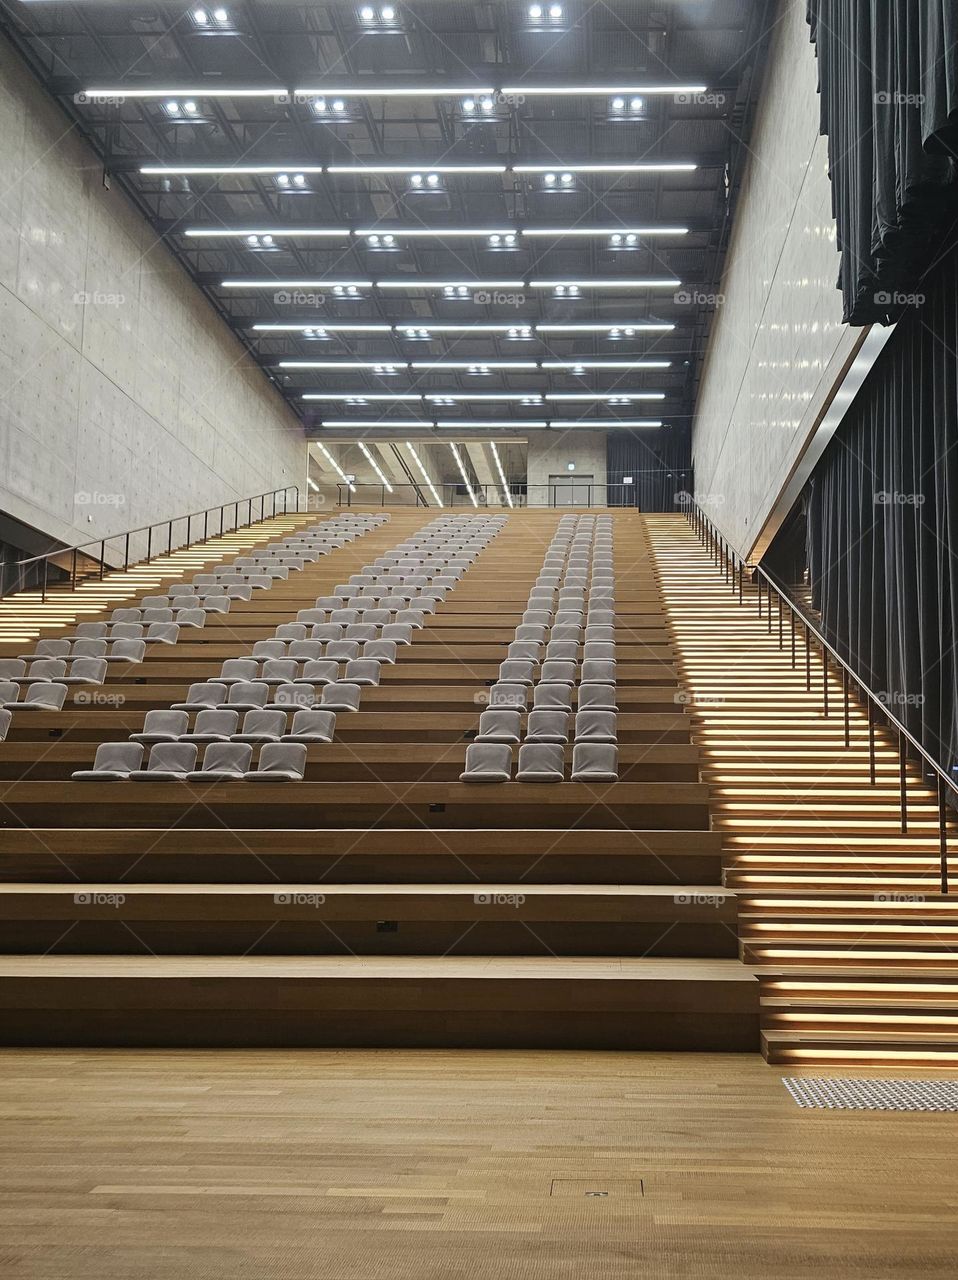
x: 566, y: 493
x: 159, y: 541
x: 729, y: 563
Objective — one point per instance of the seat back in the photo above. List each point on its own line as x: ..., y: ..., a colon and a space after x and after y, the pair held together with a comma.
x: 264, y: 724
x: 46, y: 697
x: 172, y: 757
x: 283, y: 758
x: 118, y: 757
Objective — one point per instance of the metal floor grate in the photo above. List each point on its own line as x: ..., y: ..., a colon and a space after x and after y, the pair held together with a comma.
x: 836, y: 1094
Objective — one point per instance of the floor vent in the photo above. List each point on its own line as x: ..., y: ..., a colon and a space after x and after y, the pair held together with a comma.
x: 836, y: 1094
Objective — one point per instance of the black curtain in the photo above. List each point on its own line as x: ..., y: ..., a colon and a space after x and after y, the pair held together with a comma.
x: 883, y: 524
x: 660, y: 469
x: 888, y: 79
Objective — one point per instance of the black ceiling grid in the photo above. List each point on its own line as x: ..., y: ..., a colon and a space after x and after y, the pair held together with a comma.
x: 448, y: 49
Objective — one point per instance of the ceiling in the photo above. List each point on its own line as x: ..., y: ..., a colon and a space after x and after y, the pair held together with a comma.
x: 575, y: 91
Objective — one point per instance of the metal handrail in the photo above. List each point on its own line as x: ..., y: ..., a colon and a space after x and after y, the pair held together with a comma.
x: 83, y: 548
x: 735, y: 569
x: 484, y: 492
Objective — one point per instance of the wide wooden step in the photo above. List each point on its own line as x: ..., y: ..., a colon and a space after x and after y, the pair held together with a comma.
x: 534, y: 1001
x: 369, y: 855
x: 322, y: 918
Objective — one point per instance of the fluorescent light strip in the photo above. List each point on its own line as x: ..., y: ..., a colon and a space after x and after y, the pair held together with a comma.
x: 425, y: 233
x: 296, y: 284
x: 373, y: 170
x: 606, y: 364
x: 602, y: 424
x: 375, y: 466
x: 328, y: 328
x: 425, y: 474
x: 605, y: 395
x: 602, y: 231
x: 394, y: 91
x: 587, y: 90
x: 336, y: 467
x: 224, y: 171
x: 465, y: 477
x: 432, y: 91
x: 603, y: 168
x: 638, y: 326
x: 450, y: 284
x: 505, y: 424
x: 466, y: 397
x: 360, y: 395
x: 502, y: 475
x: 187, y: 170
x: 436, y: 232
x: 474, y: 364
x: 507, y: 366
x: 220, y: 233
x: 203, y: 91
x: 342, y: 364
x: 662, y: 283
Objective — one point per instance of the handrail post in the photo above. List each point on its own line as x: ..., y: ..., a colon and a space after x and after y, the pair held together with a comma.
x: 808, y: 659
x: 848, y: 731
x: 126, y: 553
x: 43, y: 593
x: 902, y: 782
x: 169, y: 539
x: 871, y: 742
x: 102, y: 557
x: 943, y: 836
x: 73, y: 571
x: 824, y: 682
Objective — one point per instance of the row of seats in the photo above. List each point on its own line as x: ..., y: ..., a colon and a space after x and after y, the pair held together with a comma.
x: 40, y: 681
x: 222, y: 724
x: 281, y: 676
x: 541, y: 762
x: 574, y: 592
x: 177, y: 761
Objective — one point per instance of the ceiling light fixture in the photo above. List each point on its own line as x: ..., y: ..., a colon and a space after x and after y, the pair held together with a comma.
x: 367, y: 454
x: 336, y: 467
x: 465, y: 475
x: 507, y: 495
x: 425, y: 474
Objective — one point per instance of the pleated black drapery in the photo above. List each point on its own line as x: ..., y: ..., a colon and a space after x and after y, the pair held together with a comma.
x: 883, y: 524
x: 888, y: 78
x: 661, y: 474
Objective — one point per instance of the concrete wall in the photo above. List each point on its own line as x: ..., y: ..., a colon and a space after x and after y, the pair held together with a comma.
x: 123, y: 397
x: 550, y: 452
x: 777, y: 344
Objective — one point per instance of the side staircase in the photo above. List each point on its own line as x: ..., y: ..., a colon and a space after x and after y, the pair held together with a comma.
x: 840, y: 913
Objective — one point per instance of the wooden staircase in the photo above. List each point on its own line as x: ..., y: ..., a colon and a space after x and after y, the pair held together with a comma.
x: 839, y: 912
x: 380, y: 901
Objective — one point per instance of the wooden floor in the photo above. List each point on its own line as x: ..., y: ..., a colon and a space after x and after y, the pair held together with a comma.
x: 456, y: 1165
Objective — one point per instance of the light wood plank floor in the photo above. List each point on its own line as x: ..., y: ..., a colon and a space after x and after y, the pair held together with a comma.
x: 465, y: 1166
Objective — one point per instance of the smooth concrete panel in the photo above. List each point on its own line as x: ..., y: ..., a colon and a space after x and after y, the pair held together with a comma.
x: 550, y: 452
x: 117, y: 378
x: 778, y: 343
